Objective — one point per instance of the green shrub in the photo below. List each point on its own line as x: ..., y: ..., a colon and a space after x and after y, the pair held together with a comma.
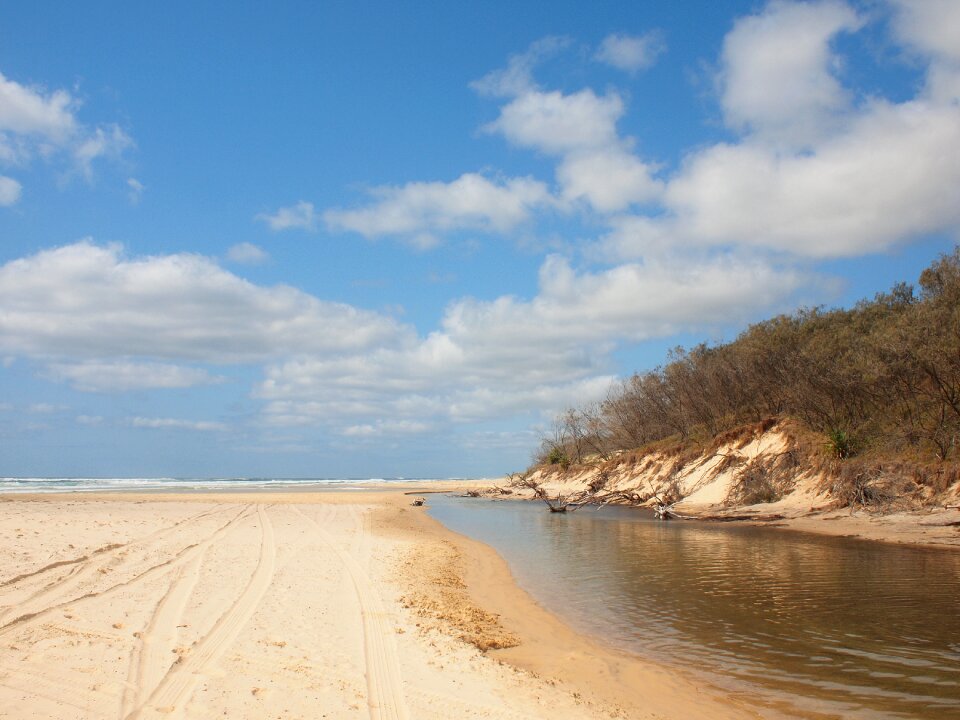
x: 839, y: 444
x: 558, y: 457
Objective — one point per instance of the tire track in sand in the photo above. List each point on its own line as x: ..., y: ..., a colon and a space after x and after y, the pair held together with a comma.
x: 385, y: 698
x: 34, y: 574
x: 150, y: 659
x: 86, y: 568
x: 176, y: 686
x: 58, y: 599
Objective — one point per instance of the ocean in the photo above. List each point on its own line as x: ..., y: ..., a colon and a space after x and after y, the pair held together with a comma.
x: 226, y: 484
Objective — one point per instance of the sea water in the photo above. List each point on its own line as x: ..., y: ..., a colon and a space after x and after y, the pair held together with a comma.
x: 808, y: 624
x: 235, y: 484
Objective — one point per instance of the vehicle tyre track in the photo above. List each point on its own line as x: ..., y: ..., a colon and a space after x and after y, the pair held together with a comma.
x: 385, y: 697
x: 87, y: 568
x: 180, y: 557
x: 104, y: 549
x: 176, y: 686
x: 150, y: 658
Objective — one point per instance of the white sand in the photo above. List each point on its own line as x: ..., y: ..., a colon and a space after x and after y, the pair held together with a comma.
x: 286, y: 606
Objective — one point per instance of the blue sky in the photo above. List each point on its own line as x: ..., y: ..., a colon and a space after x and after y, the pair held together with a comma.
x: 381, y: 239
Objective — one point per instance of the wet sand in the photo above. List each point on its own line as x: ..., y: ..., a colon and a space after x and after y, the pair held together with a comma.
x: 291, y: 605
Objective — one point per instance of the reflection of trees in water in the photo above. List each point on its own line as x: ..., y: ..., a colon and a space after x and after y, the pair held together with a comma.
x: 792, y: 611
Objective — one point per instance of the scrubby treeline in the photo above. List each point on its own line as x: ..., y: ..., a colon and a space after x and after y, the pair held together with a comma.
x: 882, y: 377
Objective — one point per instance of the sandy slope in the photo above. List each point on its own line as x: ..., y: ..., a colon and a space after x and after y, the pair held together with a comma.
x: 705, y: 482
x: 286, y: 606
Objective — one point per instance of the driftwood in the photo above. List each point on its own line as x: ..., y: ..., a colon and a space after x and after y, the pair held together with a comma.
x: 598, y: 495
x: 560, y: 504
x: 770, y: 517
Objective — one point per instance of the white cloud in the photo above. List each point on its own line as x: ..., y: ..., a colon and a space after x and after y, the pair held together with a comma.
x: 176, y: 424
x: 813, y: 175
x: 556, y: 123
x: 247, y: 254
x: 517, y: 77
x: 597, y: 170
x: 32, y: 111
x: 296, y: 217
x: 45, y: 408
x: 136, y: 190
x: 632, y: 301
x: 102, y: 142
x: 9, y: 191
x: 381, y: 428
x: 631, y: 52
x: 121, y: 376
x: 508, y: 356
x: 891, y: 177
x: 931, y: 28
x: 596, y: 164
x: 610, y: 180
x: 89, y: 302
x: 777, y: 76
x: 89, y: 420
x: 38, y: 123
x: 420, y: 209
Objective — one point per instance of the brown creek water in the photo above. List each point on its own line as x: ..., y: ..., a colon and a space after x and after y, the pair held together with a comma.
x: 810, y: 625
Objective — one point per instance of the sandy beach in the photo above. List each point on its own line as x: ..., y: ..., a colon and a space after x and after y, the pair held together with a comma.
x: 290, y: 605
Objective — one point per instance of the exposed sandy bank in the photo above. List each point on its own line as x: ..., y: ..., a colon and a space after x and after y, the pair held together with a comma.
x: 706, y: 485
x: 336, y: 605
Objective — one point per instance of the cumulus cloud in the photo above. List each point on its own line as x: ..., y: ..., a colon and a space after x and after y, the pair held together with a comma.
x: 121, y: 376
x: 777, y: 77
x: 597, y: 169
x: 931, y: 28
x: 813, y: 174
x: 609, y: 180
x: 247, y: 254
x: 517, y: 77
x: 33, y: 111
x: 632, y: 301
x: 9, y: 191
x: 597, y: 166
x: 556, y: 123
x: 887, y: 179
x: 417, y: 210
x: 103, y: 322
x: 508, y: 355
x: 301, y: 216
x: 631, y: 53
x: 91, y: 302
x: 35, y: 122
x: 177, y: 424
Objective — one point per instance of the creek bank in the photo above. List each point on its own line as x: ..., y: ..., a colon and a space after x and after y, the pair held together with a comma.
x: 761, y: 474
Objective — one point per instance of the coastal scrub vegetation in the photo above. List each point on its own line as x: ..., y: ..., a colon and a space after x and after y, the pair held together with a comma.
x: 879, y: 383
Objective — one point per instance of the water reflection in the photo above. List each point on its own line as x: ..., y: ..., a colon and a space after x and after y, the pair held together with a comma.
x: 844, y: 627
